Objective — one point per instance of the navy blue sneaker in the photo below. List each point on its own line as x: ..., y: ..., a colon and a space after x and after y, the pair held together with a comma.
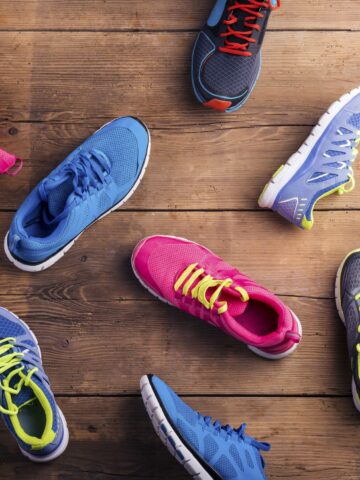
x: 95, y: 179
x: 347, y: 295
x: 207, y: 450
x: 322, y: 165
x: 27, y: 404
x: 226, y: 59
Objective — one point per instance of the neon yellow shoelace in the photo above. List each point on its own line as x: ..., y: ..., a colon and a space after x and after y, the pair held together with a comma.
x: 201, y: 288
x: 10, y: 359
x: 351, y: 181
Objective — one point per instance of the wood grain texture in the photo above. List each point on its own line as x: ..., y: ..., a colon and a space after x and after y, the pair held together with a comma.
x: 101, y: 346
x: 96, y: 76
x: 72, y: 66
x: 293, y: 262
x: 113, y: 438
x: 163, y: 15
x: 198, y: 179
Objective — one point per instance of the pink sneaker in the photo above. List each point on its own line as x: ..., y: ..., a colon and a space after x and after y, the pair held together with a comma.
x: 9, y: 164
x: 192, y: 278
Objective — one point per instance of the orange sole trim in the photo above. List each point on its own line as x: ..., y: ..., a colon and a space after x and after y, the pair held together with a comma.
x: 216, y: 104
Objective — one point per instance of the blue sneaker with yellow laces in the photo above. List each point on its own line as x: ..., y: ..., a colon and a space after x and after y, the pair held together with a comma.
x: 208, y: 451
x: 95, y: 179
x: 322, y: 165
x: 27, y: 404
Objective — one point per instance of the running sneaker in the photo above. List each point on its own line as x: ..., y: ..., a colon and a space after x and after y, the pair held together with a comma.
x: 9, y: 163
x: 27, y: 404
x: 207, y: 450
x: 322, y: 165
x: 226, y: 59
x: 192, y: 278
x: 95, y: 179
x: 347, y: 294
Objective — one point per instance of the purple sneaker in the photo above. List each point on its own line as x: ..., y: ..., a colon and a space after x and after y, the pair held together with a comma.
x: 322, y: 165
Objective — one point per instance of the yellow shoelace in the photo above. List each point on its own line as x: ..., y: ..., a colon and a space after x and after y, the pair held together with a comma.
x: 201, y: 288
x: 7, y: 361
x: 351, y: 181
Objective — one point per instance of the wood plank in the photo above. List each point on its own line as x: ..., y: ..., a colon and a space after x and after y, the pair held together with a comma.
x: 197, y: 156
x: 113, y: 438
x: 81, y: 76
x: 270, y: 250
x: 103, y: 347
x: 162, y: 15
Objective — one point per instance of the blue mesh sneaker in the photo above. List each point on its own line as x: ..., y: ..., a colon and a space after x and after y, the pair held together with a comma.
x: 93, y: 180
x: 226, y: 58
x: 27, y: 404
x: 347, y: 295
x: 322, y: 165
x: 207, y: 450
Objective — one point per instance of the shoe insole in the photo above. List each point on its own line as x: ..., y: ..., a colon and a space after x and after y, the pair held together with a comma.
x: 32, y: 419
x: 258, y: 318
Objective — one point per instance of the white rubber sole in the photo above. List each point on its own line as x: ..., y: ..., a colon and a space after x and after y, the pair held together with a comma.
x: 342, y: 317
x: 56, y: 453
x: 167, y: 434
x: 55, y: 258
x: 296, y: 161
x: 259, y: 352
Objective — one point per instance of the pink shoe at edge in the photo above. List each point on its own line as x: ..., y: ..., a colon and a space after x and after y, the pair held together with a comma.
x: 9, y: 163
x: 192, y: 278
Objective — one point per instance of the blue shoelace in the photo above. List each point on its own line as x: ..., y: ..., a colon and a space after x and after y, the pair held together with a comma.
x: 89, y: 171
x: 238, y: 433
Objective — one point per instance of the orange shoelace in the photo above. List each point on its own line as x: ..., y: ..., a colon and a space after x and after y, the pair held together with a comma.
x: 251, y: 7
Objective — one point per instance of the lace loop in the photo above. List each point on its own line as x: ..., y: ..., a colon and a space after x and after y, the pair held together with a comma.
x: 9, y: 359
x: 252, y: 7
x: 89, y: 170
x: 200, y: 290
x: 237, y: 433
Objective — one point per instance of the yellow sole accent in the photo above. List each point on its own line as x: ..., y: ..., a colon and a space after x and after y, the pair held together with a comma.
x: 308, y: 224
x: 263, y: 191
x: 278, y: 171
x: 266, y: 186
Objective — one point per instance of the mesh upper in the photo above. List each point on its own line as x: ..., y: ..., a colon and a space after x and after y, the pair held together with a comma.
x: 202, y: 49
x: 123, y: 167
x: 231, y: 458
x: 229, y: 75
x: 121, y: 147
x: 354, y: 120
x: 10, y: 329
x: 350, y: 286
x: 224, y: 467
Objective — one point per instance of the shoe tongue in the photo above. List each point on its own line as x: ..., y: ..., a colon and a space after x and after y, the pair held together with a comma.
x: 25, y: 395
x: 59, y: 195
x: 236, y: 305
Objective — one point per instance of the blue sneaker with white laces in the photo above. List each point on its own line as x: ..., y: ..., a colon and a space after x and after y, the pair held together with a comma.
x: 207, y: 450
x: 322, y: 166
x: 27, y: 404
x: 95, y: 179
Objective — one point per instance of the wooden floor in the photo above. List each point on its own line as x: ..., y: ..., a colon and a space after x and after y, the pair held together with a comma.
x: 68, y: 67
